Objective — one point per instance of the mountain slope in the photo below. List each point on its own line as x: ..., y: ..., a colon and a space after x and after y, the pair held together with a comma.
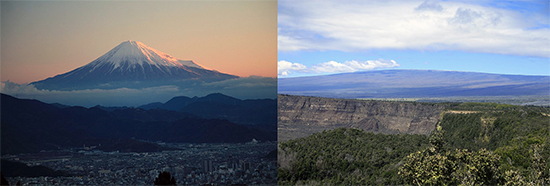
x: 32, y: 126
x: 414, y: 83
x: 220, y: 106
x: 131, y: 64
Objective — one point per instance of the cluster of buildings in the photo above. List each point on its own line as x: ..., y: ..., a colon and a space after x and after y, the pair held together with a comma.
x: 193, y: 164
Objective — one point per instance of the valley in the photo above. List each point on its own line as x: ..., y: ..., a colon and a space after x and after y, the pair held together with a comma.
x: 230, y: 163
x: 373, y: 142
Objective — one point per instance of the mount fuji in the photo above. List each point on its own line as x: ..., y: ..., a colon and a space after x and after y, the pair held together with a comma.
x: 132, y: 64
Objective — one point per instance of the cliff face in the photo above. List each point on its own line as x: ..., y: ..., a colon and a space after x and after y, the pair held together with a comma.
x: 299, y: 116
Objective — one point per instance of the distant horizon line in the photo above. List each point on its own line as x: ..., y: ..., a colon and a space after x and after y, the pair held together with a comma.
x: 314, y: 75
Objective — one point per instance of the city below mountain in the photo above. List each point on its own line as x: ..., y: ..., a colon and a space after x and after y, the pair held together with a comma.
x: 132, y: 64
x: 414, y: 84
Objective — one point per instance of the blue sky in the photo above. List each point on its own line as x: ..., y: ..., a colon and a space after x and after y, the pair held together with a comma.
x: 325, y: 37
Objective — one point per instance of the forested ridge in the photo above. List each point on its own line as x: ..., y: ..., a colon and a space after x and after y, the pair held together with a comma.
x: 489, y: 144
x: 30, y: 126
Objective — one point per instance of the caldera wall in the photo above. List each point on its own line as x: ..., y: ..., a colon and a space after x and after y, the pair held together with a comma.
x: 299, y: 116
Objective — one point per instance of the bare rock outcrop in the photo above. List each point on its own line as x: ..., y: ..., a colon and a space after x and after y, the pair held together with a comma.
x: 299, y: 116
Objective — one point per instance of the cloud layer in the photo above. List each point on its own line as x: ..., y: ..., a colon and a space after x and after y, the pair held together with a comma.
x: 286, y: 68
x: 417, y: 25
x: 254, y: 87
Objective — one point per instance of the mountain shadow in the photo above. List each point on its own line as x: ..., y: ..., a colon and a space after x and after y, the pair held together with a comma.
x: 31, y: 126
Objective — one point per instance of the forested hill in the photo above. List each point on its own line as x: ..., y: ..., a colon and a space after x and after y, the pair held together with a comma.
x: 29, y: 126
x: 512, y: 143
x: 345, y: 157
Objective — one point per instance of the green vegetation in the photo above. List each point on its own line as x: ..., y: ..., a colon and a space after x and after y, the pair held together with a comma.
x: 538, y: 100
x: 437, y: 166
x: 496, y: 144
x: 348, y: 157
x: 514, y: 133
x: 496, y: 107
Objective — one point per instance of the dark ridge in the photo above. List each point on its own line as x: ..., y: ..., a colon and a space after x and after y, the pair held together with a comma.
x: 32, y: 126
x: 14, y: 169
x: 271, y: 155
x: 220, y: 106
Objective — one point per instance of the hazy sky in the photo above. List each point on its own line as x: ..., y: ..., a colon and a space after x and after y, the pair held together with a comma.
x: 43, y: 39
x: 325, y: 37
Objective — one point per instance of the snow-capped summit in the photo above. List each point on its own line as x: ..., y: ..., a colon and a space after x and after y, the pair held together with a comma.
x: 139, y: 53
x: 131, y: 62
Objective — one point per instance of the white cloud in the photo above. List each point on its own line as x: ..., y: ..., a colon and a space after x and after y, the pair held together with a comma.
x: 353, y: 66
x: 253, y: 87
x: 331, y: 67
x: 284, y: 67
x: 372, y: 64
x: 92, y: 97
x: 417, y: 25
x: 244, y: 82
x: 336, y: 67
